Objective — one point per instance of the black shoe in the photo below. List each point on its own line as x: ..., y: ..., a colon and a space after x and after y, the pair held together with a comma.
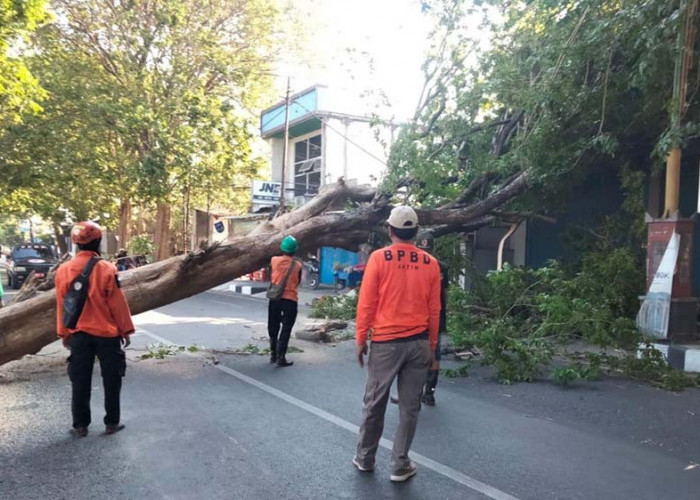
x: 273, y: 358
x: 113, y: 429
x: 428, y: 399
x: 80, y: 431
x: 283, y: 362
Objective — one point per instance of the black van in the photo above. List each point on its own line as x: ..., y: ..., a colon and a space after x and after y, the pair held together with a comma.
x: 29, y: 257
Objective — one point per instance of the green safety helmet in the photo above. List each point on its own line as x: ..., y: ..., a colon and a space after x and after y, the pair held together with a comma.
x: 289, y: 244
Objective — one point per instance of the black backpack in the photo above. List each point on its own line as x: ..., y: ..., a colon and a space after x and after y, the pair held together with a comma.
x: 74, y: 301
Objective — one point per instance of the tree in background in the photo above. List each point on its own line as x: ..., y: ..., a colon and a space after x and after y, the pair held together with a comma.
x: 20, y: 92
x: 151, y: 104
x: 564, y: 91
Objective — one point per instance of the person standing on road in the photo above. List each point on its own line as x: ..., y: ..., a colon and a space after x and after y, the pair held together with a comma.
x: 123, y: 261
x: 282, y: 311
x: 425, y: 241
x: 103, y: 326
x: 399, y: 304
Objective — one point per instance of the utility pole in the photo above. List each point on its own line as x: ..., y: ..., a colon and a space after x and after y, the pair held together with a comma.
x: 284, y: 148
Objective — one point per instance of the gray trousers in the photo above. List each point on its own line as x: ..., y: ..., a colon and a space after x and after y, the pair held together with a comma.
x: 409, y: 361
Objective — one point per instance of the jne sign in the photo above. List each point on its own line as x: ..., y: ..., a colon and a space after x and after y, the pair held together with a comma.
x: 266, y: 193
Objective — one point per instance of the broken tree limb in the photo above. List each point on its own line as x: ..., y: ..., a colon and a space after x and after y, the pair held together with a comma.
x: 326, y: 199
x: 29, y: 325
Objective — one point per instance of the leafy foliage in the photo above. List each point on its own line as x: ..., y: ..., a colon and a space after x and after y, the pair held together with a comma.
x: 517, y: 316
x: 141, y: 245
x: 647, y: 364
x: 159, y: 109
x: 162, y: 351
x: 563, y: 91
x: 20, y: 92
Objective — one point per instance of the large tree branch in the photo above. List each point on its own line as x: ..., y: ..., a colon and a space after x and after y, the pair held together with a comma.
x: 519, y: 216
x: 446, y: 229
x: 27, y: 326
x: 433, y: 119
x: 505, y: 133
x: 328, y: 197
x: 457, y: 217
x: 471, y: 190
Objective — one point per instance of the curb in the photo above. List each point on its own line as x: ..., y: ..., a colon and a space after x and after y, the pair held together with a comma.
x: 247, y: 289
x: 681, y: 357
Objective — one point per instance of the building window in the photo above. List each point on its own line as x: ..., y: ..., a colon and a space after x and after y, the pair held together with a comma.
x: 307, y: 166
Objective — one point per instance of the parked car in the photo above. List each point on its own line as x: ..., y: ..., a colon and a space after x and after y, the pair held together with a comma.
x: 26, y: 258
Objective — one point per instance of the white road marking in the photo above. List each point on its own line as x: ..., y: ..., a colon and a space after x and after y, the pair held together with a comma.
x: 236, y: 297
x: 429, y: 463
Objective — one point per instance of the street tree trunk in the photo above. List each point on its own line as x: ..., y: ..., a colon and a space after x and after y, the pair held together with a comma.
x: 162, y: 239
x: 124, y: 232
x: 27, y: 326
x: 60, y: 239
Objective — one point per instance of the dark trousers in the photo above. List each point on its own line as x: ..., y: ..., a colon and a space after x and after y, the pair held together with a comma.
x: 280, y: 312
x: 84, y: 347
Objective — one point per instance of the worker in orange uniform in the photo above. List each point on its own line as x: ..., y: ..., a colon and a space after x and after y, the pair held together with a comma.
x: 103, y: 326
x: 283, y: 306
x: 399, y: 305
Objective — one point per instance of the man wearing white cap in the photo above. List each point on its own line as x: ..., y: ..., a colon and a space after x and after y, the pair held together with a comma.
x: 399, y: 305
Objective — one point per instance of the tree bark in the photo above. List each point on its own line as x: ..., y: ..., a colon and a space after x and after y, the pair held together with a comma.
x: 162, y: 239
x: 60, y: 239
x: 124, y: 232
x: 27, y: 326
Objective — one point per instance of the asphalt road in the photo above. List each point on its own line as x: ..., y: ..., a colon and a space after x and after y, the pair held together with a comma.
x: 212, y: 424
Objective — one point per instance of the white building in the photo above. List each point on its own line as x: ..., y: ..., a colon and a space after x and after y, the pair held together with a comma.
x: 326, y: 141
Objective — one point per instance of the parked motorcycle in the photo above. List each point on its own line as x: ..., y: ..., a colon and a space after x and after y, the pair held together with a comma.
x: 312, y: 269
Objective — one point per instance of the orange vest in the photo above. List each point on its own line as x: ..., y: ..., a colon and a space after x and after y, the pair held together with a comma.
x: 106, y: 312
x: 400, y: 295
x: 280, y: 266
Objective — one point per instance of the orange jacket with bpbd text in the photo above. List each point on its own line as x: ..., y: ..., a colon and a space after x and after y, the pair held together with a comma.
x: 400, y: 295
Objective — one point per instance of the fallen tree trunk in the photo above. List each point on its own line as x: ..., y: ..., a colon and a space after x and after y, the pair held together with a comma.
x: 29, y: 325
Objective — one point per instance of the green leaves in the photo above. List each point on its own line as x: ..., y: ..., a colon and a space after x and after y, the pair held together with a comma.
x: 593, y: 80
x: 20, y: 92
x: 518, y: 316
x: 157, y: 108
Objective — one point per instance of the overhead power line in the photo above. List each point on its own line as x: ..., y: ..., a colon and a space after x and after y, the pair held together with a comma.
x: 345, y: 137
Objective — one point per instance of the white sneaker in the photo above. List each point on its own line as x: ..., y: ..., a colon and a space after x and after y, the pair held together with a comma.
x: 404, y: 474
x: 357, y: 464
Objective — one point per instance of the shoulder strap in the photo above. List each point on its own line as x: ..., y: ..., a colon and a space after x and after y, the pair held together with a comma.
x: 283, y: 284
x: 87, y: 270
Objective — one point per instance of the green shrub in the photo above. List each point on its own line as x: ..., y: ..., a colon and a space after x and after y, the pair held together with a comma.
x: 517, y: 316
x: 141, y: 245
